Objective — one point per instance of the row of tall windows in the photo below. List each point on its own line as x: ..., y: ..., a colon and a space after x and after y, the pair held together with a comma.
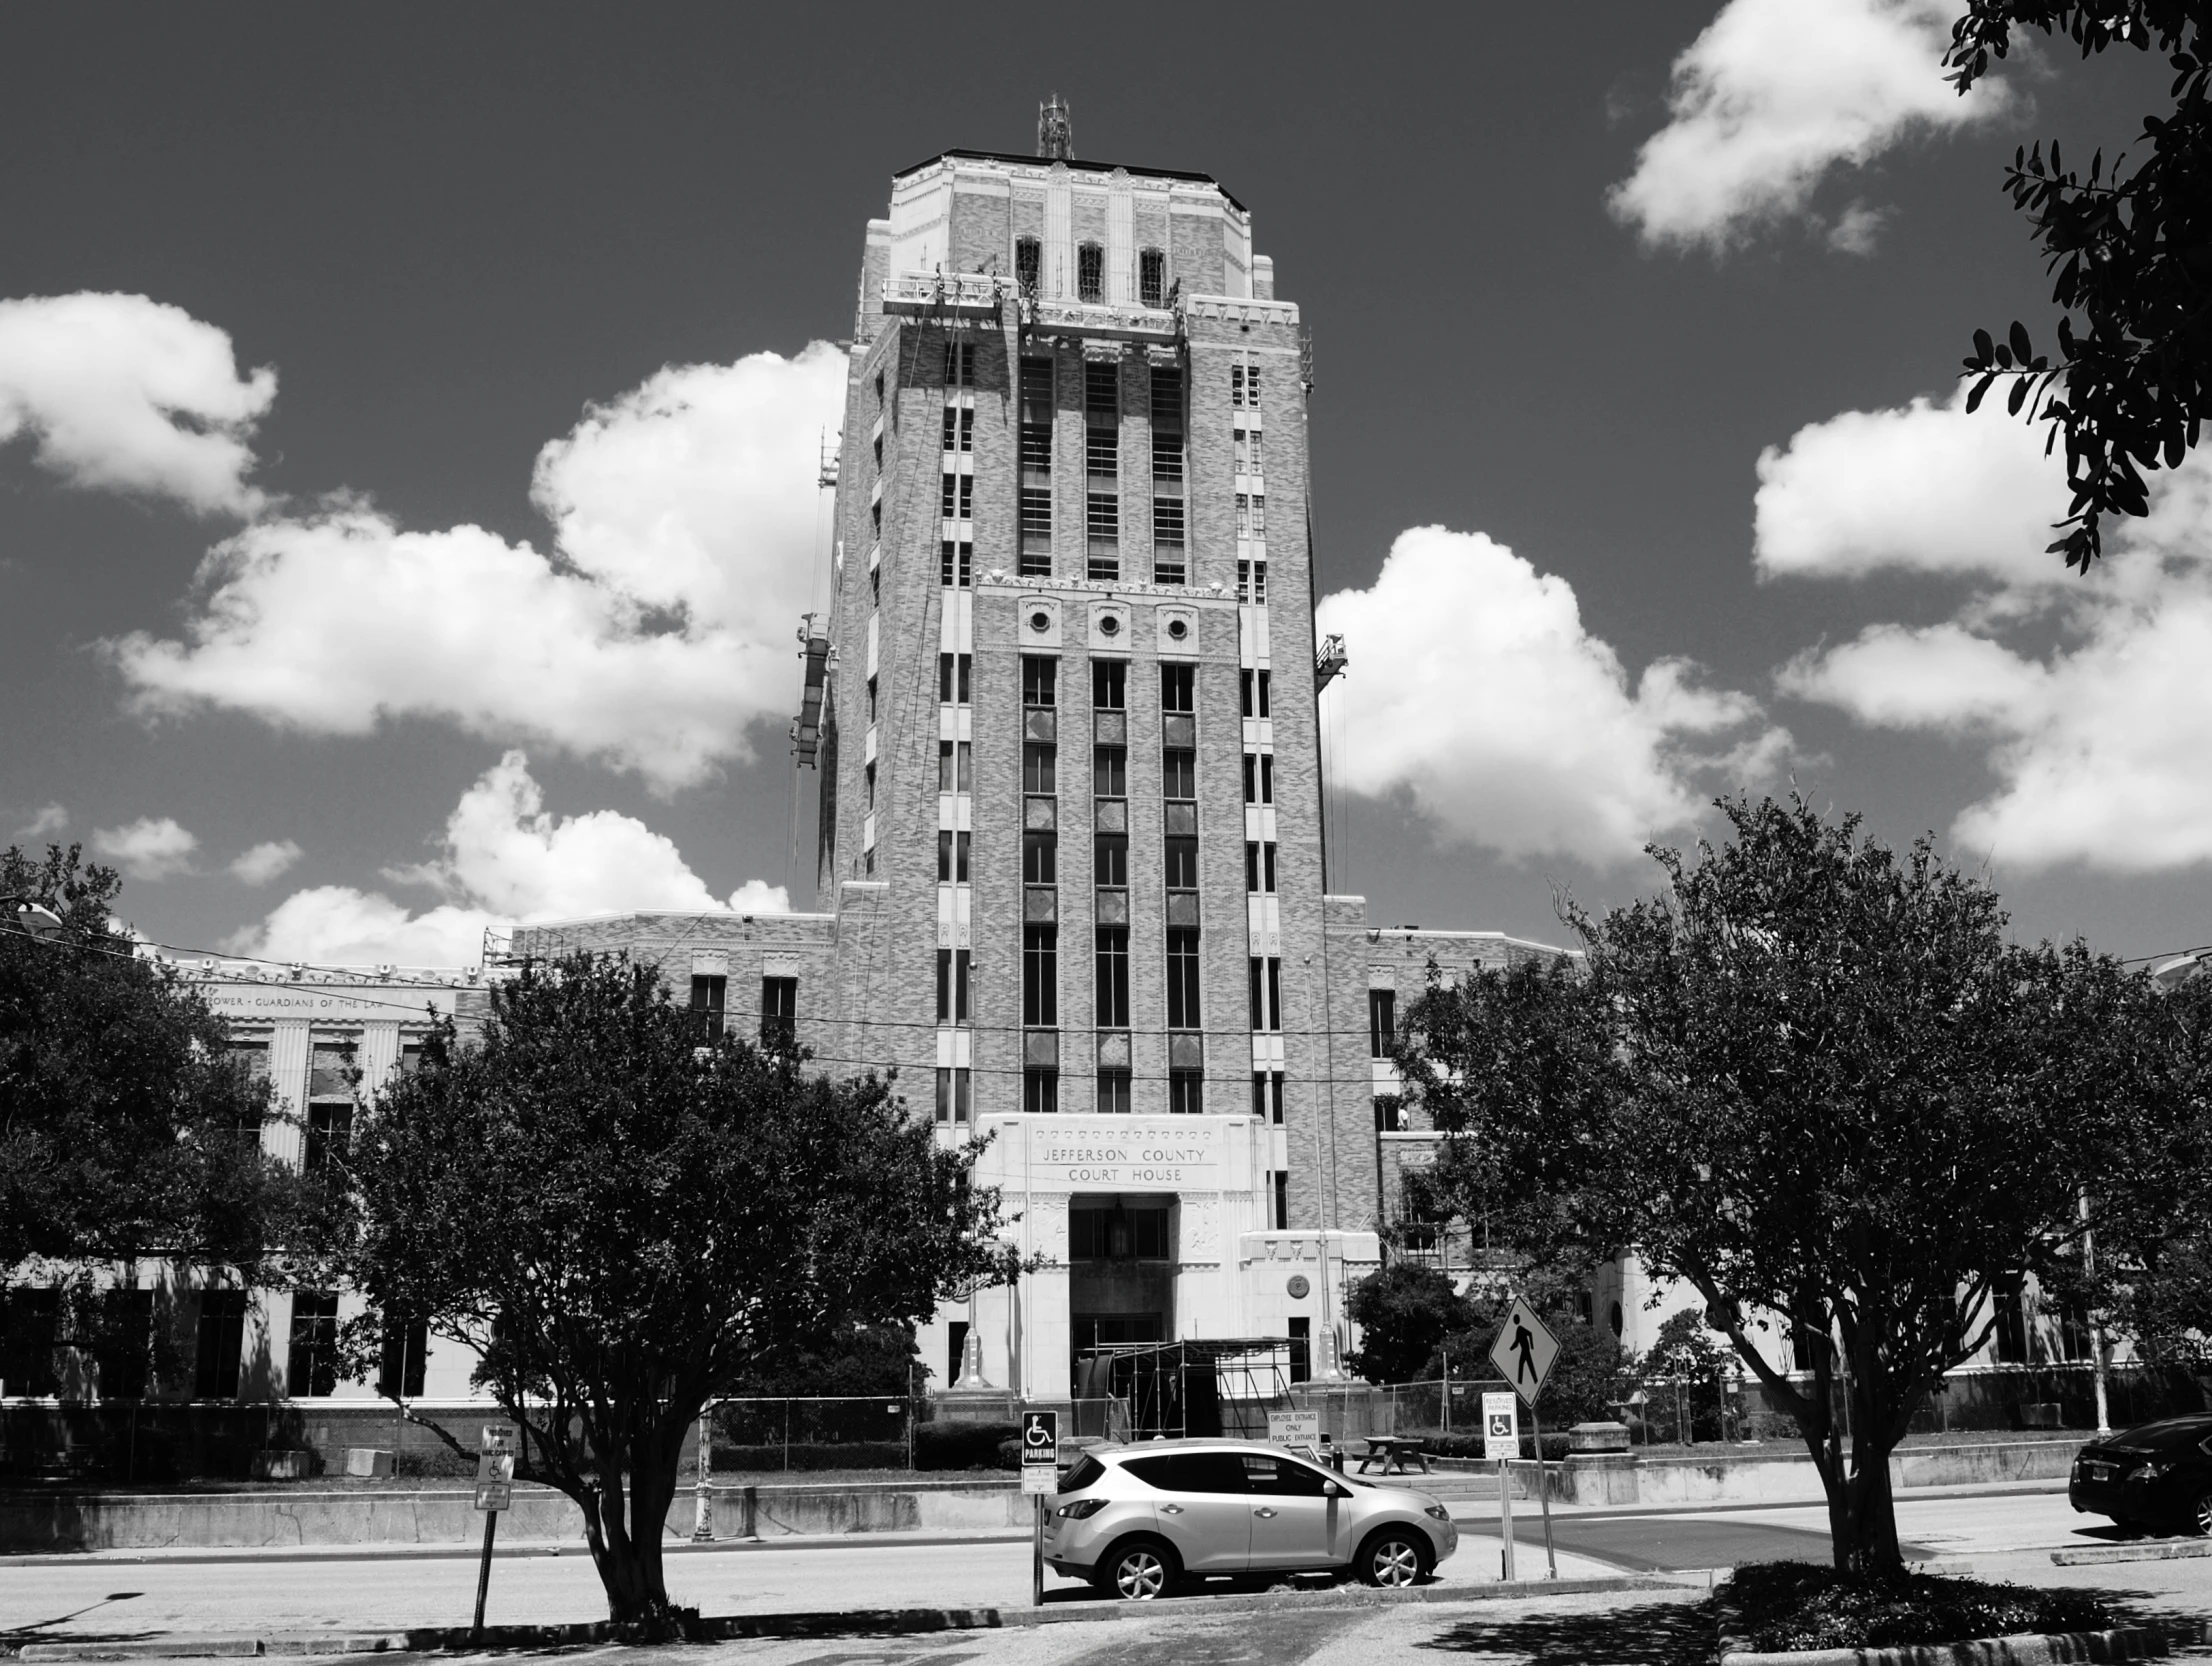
x: 779, y: 1009
x: 1090, y: 271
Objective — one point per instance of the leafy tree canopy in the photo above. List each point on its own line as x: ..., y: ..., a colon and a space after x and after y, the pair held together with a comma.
x: 1404, y: 1311
x: 1814, y: 1081
x: 125, y: 1130
x: 2130, y: 245
x: 627, y: 1224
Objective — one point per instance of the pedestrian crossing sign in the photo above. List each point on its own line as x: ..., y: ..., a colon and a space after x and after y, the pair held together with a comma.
x: 1524, y: 1350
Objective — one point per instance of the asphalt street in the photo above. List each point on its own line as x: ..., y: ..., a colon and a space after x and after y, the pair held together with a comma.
x: 342, y: 1590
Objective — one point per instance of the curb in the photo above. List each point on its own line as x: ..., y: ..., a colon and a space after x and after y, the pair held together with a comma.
x: 833, y: 1623
x: 2024, y: 1649
x: 2175, y: 1550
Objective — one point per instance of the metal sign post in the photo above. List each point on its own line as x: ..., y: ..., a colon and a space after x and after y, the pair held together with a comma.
x: 495, y: 1491
x: 1524, y: 1354
x: 1040, y: 1479
x: 1501, y: 1444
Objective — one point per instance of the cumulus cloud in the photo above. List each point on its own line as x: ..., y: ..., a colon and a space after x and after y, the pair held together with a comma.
x: 2086, y: 698
x: 1508, y: 724
x: 1777, y: 94
x: 45, y: 823
x: 504, y: 860
x: 149, y: 848
x: 122, y: 393
x: 1923, y: 487
x: 268, y: 861
x: 651, y: 637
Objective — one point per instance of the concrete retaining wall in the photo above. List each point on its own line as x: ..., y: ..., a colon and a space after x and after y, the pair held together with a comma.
x: 32, y: 1523
x: 1750, y: 1477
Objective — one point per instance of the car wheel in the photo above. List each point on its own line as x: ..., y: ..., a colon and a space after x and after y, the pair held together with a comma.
x: 1395, y: 1557
x: 2200, y: 1516
x: 1137, y: 1570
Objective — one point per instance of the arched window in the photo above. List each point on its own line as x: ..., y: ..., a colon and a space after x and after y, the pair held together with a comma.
x: 1152, y: 277
x: 1029, y: 261
x: 1090, y: 273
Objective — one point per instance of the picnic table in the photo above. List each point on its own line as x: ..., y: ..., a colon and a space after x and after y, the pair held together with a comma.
x: 1394, y: 1454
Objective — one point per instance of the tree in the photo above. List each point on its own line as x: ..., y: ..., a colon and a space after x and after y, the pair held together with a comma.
x: 1814, y: 1082
x: 626, y: 1223
x: 126, y: 1131
x: 2132, y: 251
x: 1403, y: 1312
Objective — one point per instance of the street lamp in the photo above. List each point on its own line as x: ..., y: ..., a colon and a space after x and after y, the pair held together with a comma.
x: 29, y: 916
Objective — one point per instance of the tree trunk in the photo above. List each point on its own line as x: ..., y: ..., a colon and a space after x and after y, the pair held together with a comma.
x: 626, y: 1532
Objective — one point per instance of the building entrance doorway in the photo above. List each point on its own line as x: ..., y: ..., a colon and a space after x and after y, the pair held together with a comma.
x: 1121, y: 1272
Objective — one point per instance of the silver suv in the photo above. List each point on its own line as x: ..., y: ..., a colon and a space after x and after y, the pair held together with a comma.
x: 1135, y: 1520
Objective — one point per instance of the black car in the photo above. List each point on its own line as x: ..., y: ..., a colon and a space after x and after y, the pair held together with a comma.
x: 2153, y: 1475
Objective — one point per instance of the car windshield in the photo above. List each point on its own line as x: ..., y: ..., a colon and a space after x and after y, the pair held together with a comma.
x: 2170, y: 1431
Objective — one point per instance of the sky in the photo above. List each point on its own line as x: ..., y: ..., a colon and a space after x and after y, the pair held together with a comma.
x: 409, y: 418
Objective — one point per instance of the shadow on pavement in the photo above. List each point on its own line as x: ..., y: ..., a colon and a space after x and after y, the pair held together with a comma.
x: 1661, y: 1632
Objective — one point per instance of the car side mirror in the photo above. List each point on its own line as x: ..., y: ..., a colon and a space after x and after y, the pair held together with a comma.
x: 1329, y: 1489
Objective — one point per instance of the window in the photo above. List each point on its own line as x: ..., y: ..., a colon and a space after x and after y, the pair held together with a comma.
x: 959, y: 428
x: 1040, y: 857
x: 1382, y: 1022
x: 1167, y: 400
x: 868, y: 780
x: 2009, y: 1340
x: 1040, y: 1092
x: 1040, y: 681
x: 1390, y: 1114
x: 955, y: 563
x: 1040, y: 767
x: 1036, y: 448
x: 1252, y: 583
x: 879, y: 388
x: 1253, y: 686
x: 1041, y: 976
x: 1168, y: 523
x: 779, y: 1013
x: 1282, y: 1224
x: 1186, y: 1093
x: 1110, y: 863
x: 953, y: 671
x: 1037, y: 390
x: 879, y: 453
x: 1182, y: 979
x: 957, y: 500
x: 1118, y: 1231
x: 1259, y: 867
x: 1301, y: 1330
x: 1244, y: 386
x: 955, y: 766
x: 952, y: 1095
x: 250, y: 1108
x: 31, y: 1337
x: 1152, y: 277
x: 122, y: 1346
x: 329, y: 1135
x: 1102, y: 451
x: 1110, y: 772
x: 959, y: 362
x: 1113, y: 977
x: 1259, y: 529
x: 952, y: 857
x: 1182, y: 862
x: 1190, y: 1472
x: 1102, y: 519
x: 219, y: 1345
x: 1267, y: 1095
x: 405, y: 1354
x: 875, y: 581
x: 1102, y: 389
x: 956, y: 1339
x: 1259, y: 778
x: 1178, y: 689
x: 1109, y: 684
x: 1267, y: 992
x: 1178, y: 773
x: 1090, y: 273
x: 1113, y: 1093
x: 312, y: 1365
x: 1036, y: 531
x: 1029, y: 262
x: 952, y: 986
x: 709, y: 996
x: 1282, y: 1477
